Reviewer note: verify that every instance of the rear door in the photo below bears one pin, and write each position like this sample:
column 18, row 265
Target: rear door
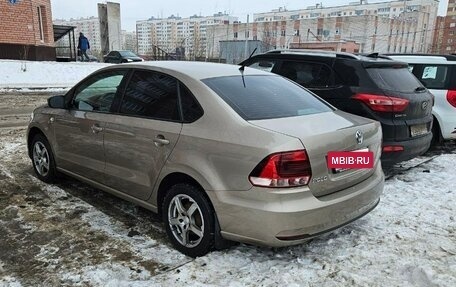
column 140, row 138
column 397, row 82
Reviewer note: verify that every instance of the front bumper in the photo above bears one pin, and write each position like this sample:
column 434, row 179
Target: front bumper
column 272, row 217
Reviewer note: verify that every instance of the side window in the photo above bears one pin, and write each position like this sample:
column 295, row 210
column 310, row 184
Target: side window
column 151, row 94
column 434, row 77
column 263, row 65
column 98, row 92
column 312, row 75
column 190, row 107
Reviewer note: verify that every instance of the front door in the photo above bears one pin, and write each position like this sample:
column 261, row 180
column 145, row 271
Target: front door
column 140, row 139
column 79, row 130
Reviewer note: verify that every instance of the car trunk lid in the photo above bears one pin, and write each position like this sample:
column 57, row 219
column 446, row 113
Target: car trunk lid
column 330, row 131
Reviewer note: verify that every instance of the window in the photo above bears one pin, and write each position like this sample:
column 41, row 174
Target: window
column 306, row 74
column 433, row 77
column 190, row 107
column 265, row 97
column 235, row 34
column 97, row 93
column 394, row 79
column 152, row 95
column 40, row 10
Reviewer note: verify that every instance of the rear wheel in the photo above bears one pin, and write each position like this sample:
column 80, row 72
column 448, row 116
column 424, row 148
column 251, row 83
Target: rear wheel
column 43, row 159
column 189, row 220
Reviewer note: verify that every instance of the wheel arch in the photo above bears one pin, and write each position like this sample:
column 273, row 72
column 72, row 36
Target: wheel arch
column 33, row 131
column 176, row 178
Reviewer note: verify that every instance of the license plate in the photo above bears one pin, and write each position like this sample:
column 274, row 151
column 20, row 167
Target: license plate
column 418, row 130
column 342, row 161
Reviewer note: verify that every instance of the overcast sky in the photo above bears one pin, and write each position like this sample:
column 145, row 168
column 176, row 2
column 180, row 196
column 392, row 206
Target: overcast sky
column 133, row 10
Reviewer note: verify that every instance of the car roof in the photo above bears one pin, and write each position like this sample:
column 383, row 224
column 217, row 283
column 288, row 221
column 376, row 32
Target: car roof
column 424, row 59
column 196, row 70
column 448, row 57
column 373, row 57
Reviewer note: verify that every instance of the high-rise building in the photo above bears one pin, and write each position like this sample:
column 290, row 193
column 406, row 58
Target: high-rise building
column 394, row 27
column 445, row 35
column 90, row 27
column 129, row 41
column 174, row 32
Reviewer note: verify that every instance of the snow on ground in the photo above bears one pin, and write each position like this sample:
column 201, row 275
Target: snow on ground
column 70, row 234
column 49, row 75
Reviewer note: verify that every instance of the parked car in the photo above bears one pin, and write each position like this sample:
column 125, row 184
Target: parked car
column 438, row 74
column 216, row 151
column 118, row 57
column 369, row 86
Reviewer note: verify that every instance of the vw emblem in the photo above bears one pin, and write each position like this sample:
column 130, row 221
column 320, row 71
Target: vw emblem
column 424, row 105
column 13, row 1
column 359, row 137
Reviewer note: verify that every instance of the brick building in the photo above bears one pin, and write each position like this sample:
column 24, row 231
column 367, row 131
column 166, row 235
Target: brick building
column 445, row 37
column 26, row 30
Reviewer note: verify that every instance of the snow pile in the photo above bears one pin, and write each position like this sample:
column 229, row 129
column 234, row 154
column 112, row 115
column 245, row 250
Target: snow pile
column 43, row 74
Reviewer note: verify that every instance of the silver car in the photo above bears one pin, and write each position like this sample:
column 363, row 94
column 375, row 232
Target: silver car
column 223, row 154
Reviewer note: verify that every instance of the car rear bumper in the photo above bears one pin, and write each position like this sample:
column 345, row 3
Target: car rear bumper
column 287, row 217
column 412, row 148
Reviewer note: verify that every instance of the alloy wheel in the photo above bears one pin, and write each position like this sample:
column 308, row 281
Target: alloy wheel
column 186, row 220
column 41, row 159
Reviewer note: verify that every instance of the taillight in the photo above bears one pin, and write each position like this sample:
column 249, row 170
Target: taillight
column 380, row 103
column 393, row 148
column 285, row 169
column 451, row 97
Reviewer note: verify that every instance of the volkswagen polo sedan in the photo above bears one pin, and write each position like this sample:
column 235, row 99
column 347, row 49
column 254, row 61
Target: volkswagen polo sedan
column 222, row 153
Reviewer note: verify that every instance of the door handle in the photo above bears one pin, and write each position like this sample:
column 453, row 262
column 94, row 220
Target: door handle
column 161, row 141
column 96, row 129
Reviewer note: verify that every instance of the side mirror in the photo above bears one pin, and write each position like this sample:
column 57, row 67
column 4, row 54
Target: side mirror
column 56, row 102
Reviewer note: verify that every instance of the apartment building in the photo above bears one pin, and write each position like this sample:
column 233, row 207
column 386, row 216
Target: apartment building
column 26, row 30
column 395, row 27
column 90, row 27
column 174, row 32
column 445, row 31
column 129, row 41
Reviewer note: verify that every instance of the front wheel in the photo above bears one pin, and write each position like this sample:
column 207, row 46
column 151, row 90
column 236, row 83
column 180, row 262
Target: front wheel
column 189, row 220
column 43, row 159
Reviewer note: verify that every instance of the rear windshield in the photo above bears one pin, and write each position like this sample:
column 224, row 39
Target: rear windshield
column 394, row 79
column 266, row 97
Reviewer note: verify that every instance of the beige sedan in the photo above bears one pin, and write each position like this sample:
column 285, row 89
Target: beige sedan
column 222, row 153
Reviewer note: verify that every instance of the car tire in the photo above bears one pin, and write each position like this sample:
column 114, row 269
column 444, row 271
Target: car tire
column 43, row 159
column 192, row 233
column 436, row 134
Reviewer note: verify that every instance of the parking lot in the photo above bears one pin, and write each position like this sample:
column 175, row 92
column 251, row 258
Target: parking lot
column 71, row 234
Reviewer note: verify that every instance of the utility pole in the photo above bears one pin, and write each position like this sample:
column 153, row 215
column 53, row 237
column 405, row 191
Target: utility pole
column 247, row 34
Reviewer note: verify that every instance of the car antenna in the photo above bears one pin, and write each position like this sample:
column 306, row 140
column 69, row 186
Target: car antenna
column 243, row 66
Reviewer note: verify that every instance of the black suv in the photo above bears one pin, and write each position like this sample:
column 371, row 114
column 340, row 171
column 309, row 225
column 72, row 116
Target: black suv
column 371, row 86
